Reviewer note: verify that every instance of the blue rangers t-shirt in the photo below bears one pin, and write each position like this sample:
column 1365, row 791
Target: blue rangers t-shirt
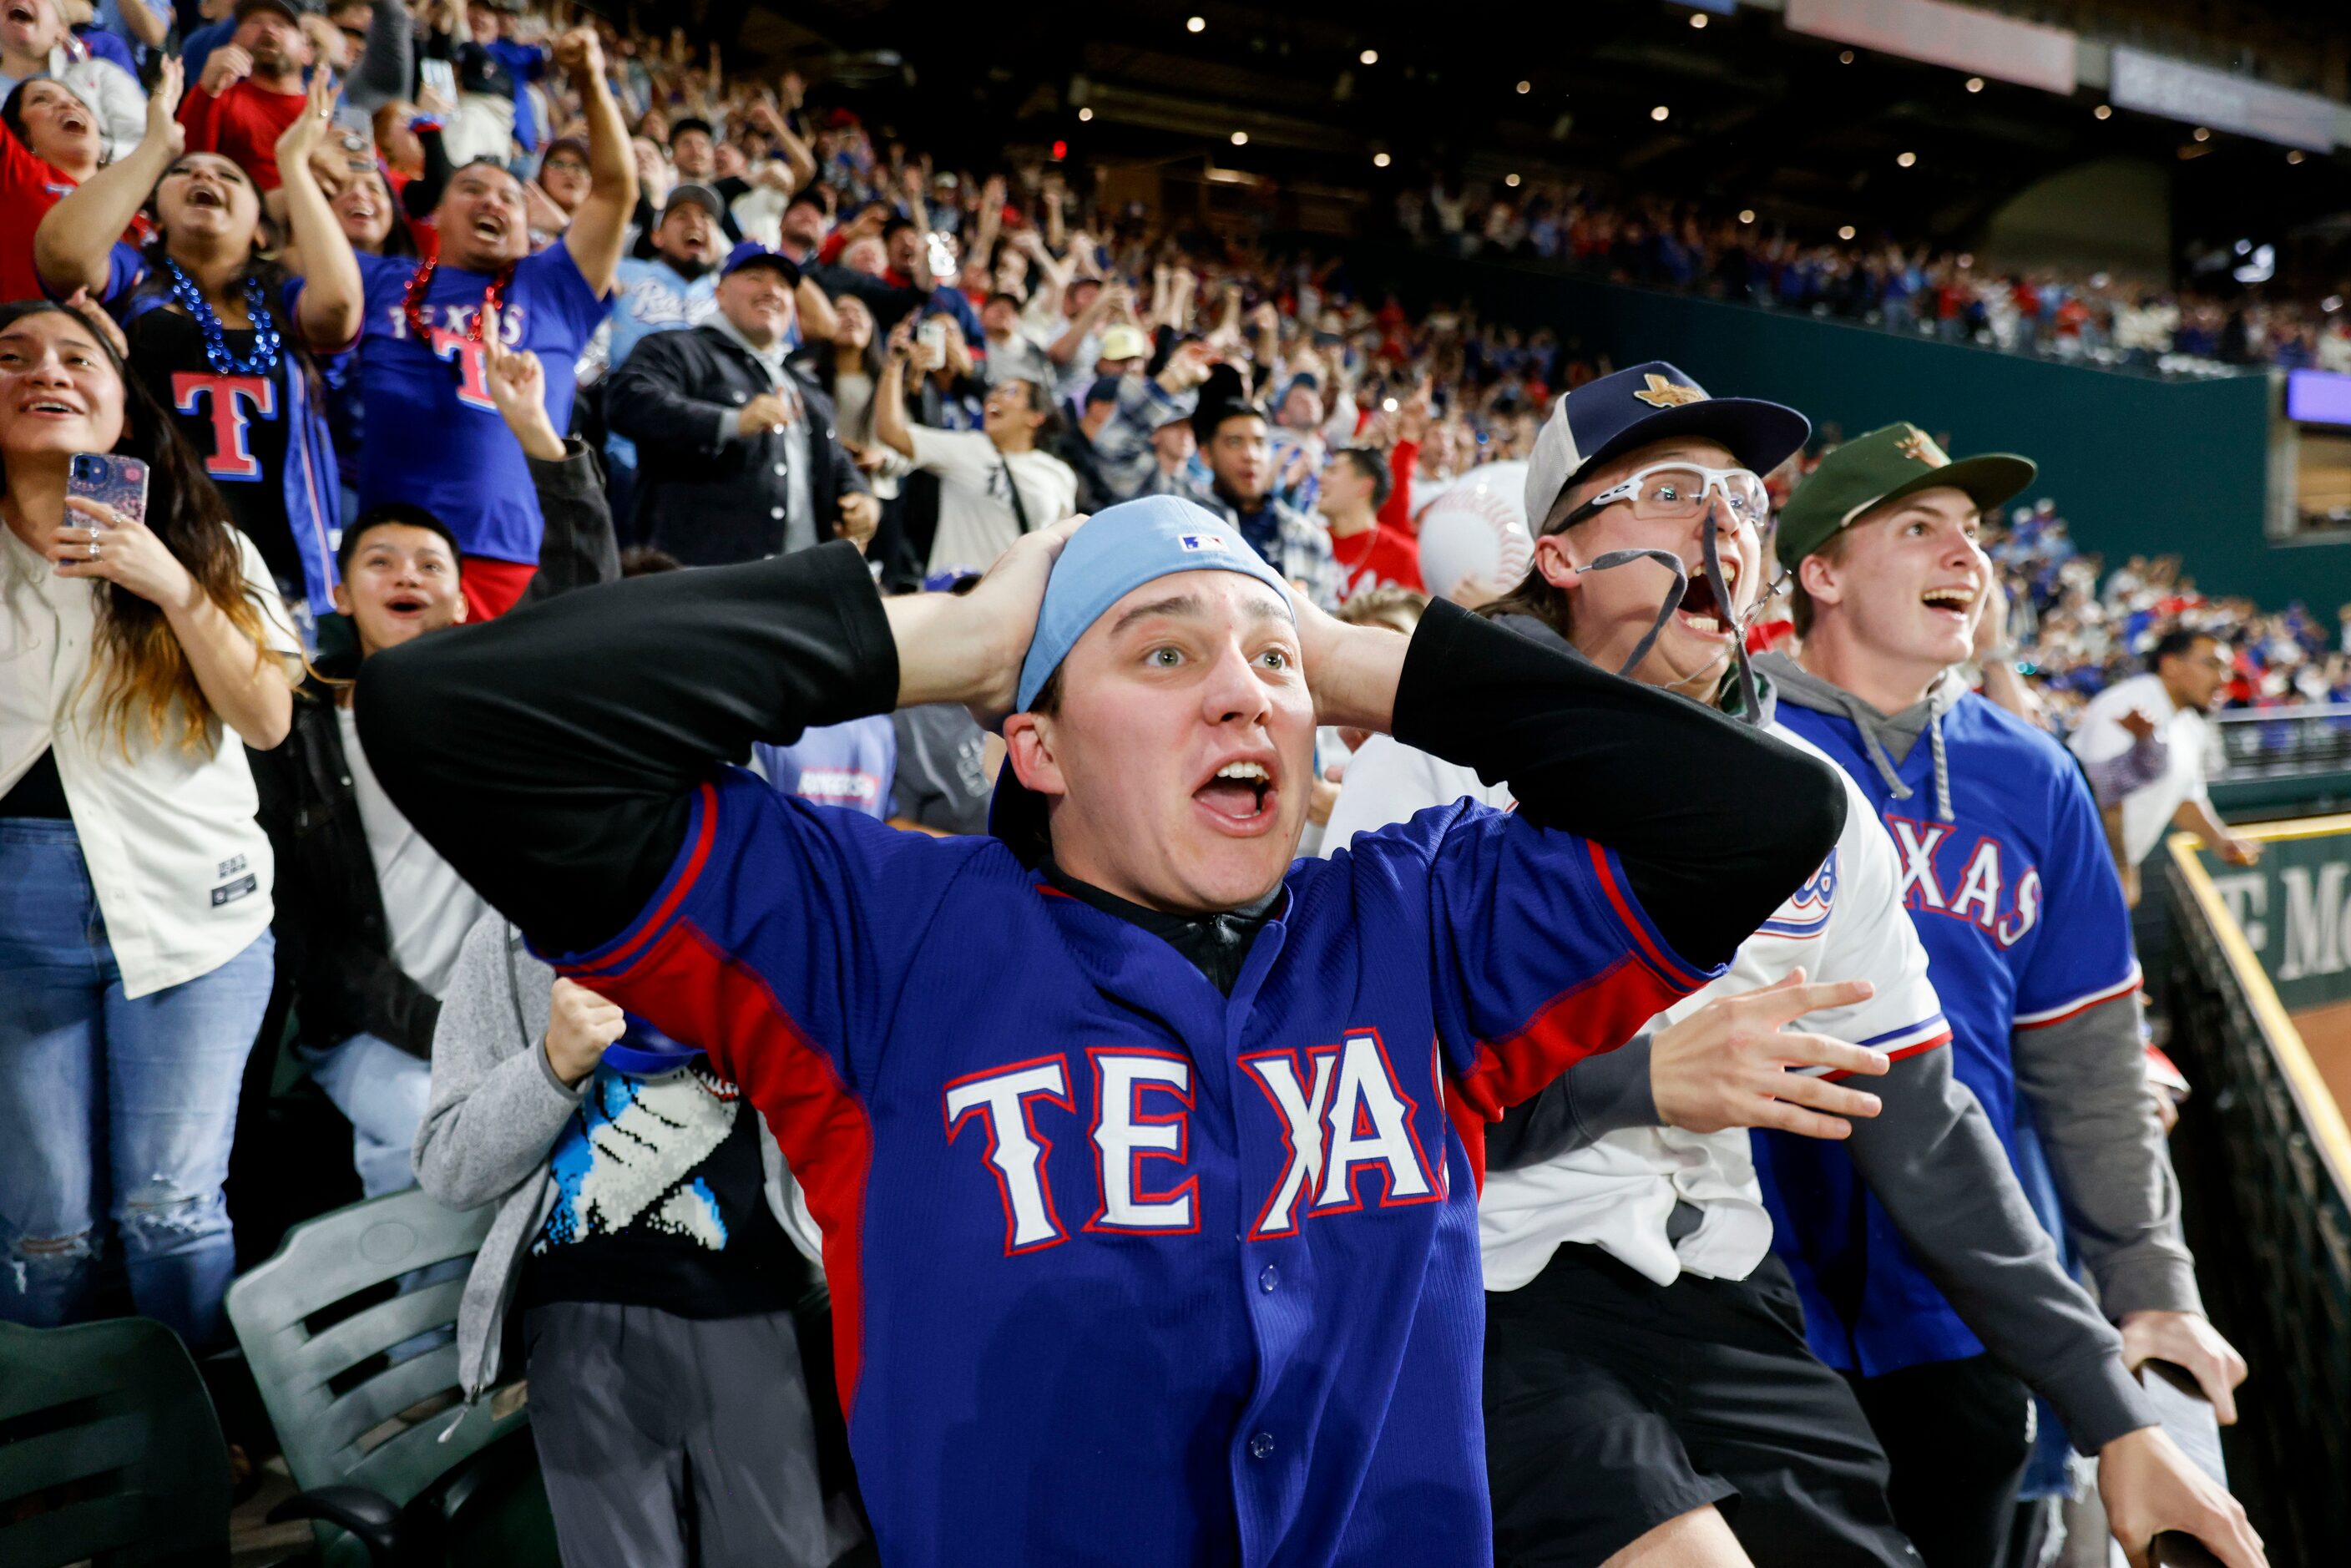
column 2017, row 903
column 434, row 436
column 851, row 764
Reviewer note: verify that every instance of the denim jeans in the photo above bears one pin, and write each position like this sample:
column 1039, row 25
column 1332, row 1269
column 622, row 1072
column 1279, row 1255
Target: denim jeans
column 111, row 1107
column 381, row 1090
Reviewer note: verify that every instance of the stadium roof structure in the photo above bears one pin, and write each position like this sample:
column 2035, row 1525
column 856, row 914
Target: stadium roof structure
column 1723, row 103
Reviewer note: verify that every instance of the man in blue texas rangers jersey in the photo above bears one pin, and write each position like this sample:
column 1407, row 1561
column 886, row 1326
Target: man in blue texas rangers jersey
column 1649, row 1395
column 2008, row 883
column 434, row 437
column 1145, row 1158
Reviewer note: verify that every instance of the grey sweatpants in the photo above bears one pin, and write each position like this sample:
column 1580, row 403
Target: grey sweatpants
column 671, row 1442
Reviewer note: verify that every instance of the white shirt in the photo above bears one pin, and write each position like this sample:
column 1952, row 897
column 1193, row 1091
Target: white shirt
column 1616, row 1193
column 977, row 522
column 427, row 906
column 2099, row 735
column 182, row 870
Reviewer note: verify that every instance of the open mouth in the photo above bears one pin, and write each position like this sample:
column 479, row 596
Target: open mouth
column 407, row 604
column 206, row 196
column 49, row 408
column 1699, row 610
column 1959, row 603
column 490, row 229
column 1240, row 796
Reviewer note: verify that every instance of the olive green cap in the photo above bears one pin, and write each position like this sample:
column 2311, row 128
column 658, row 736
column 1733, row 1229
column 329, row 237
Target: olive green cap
column 1886, row 465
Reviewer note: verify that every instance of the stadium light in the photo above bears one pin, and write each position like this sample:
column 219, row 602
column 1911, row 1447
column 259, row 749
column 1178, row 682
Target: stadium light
column 1195, row 24
column 2203, row 133
column 2104, row 111
column 1379, row 160
column 1240, row 137
column 1698, row 20
column 1659, row 113
column 1512, row 181
column 1526, row 87
column 1747, row 215
column 2331, row 304
column 1845, row 57
column 1369, row 57
column 1975, row 84
column 1906, row 159
column 1085, row 114
column 1844, row 231
column 2294, row 156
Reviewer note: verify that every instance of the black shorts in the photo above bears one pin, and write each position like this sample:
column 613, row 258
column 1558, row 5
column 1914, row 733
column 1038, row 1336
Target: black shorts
column 1613, row 1404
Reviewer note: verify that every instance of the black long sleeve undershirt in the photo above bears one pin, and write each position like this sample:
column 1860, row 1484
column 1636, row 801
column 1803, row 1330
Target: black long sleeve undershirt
column 550, row 754
column 1715, row 821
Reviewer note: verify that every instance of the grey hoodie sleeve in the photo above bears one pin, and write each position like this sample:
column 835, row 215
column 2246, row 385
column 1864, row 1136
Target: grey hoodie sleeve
column 496, row 1106
column 2086, row 1080
column 1932, row 1159
column 384, row 68
column 1598, row 1095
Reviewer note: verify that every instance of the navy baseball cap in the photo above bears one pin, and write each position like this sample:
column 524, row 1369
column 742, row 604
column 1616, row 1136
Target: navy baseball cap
column 1631, row 408
column 1117, row 550
column 751, row 253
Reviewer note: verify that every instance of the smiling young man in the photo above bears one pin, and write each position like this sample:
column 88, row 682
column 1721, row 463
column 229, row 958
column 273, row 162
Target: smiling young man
column 2007, row 881
column 434, row 436
column 1146, row 1156
column 1649, row 1396
column 370, row 916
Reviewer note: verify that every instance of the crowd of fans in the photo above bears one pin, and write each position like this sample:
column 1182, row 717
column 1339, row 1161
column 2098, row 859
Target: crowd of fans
column 388, row 317
column 1907, row 286
column 2079, row 628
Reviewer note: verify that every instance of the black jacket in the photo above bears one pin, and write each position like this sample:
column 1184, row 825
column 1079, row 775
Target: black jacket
column 334, row 941
column 707, row 496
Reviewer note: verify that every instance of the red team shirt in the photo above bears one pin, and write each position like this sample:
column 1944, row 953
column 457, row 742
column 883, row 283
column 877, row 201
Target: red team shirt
column 243, row 123
column 1376, row 556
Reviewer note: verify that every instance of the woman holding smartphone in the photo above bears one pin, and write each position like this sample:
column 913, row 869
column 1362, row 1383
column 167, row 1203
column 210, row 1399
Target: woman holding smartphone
column 142, row 647
column 221, row 335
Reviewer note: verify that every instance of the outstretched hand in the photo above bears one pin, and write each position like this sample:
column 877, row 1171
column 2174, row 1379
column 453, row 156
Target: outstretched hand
column 163, row 107
column 295, row 142
column 518, row 385
column 1734, row 1063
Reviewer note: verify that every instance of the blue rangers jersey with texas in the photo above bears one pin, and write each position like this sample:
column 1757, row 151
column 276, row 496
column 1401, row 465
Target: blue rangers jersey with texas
column 1124, row 1269
column 2022, row 839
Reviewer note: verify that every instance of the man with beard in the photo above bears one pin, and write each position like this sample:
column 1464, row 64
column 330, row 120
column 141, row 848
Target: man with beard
column 434, row 437
column 251, row 90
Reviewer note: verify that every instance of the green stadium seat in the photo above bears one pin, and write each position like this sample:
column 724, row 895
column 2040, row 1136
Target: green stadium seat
column 394, row 1467
column 109, row 1451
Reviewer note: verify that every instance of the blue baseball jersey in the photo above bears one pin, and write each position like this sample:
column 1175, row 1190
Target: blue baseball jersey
column 434, row 436
column 2018, row 906
column 1124, row 1268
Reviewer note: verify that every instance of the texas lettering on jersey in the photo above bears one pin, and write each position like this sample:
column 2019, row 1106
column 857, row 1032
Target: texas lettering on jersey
column 1943, row 873
column 449, row 328
column 1346, row 1121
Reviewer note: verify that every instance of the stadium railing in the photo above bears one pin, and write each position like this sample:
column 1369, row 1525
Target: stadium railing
column 2265, row 1159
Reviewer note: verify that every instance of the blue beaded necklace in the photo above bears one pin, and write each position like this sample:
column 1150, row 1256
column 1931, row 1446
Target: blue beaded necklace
column 263, row 359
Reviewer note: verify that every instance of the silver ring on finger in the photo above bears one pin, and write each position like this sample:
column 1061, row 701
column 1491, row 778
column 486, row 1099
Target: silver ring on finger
column 93, row 549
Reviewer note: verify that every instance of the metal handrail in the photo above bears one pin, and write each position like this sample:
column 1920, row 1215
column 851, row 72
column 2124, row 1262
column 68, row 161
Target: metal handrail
column 2273, row 1163
column 2285, row 742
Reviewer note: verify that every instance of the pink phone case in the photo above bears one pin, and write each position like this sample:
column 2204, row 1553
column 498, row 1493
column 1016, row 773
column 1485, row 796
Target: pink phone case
column 116, row 482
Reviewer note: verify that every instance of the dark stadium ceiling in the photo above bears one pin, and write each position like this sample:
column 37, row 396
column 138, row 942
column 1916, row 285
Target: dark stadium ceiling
column 1756, row 116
